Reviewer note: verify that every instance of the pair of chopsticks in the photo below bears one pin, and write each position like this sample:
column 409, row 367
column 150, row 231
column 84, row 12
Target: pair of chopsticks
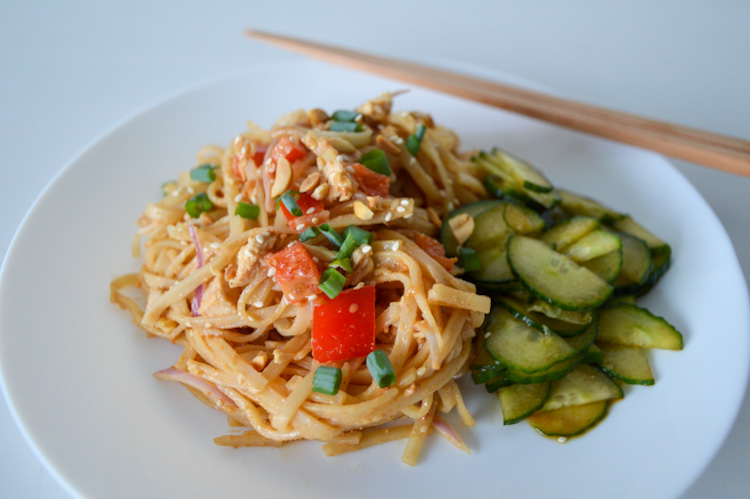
column 697, row 146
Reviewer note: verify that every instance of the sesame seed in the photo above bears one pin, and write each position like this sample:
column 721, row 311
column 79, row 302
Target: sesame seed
column 315, row 220
column 340, row 158
column 315, row 259
column 366, row 248
column 404, row 202
column 176, row 192
column 401, row 209
column 247, row 253
column 487, row 335
column 350, row 169
column 408, row 215
column 266, row 233
column 300, row 226
column 238, row 198
column 312, row 297
column 254, row 199
column 271, row 168
column 271, row 271
column 388, row 216
column 421, row 371
column 190, row 190
column 258, row 304
column 413, row 161
column 188, row 324
column 360, row 285
column 353, row 308
column 423, row 429
column 208, row 325
column 397, row 246
column 215, row 245
column 310, row 210
column 259, row 238
column 561, row 440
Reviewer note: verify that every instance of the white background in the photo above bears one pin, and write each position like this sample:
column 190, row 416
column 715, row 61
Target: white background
column 72, row 70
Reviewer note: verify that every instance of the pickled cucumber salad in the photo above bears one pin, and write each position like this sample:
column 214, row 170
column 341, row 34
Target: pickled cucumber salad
column 564, row 272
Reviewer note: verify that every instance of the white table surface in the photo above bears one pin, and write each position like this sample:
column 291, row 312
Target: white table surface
column 71, row 70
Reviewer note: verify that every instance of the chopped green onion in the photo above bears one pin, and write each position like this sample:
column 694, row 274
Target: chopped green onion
column 308, row 234
column 468, row 259
column 164, row 186
column 291, row 204
column 331, row 282
column 376, row 161
column 380, row 368
column 331, row 235
column 344, row 115
column 345, row 126
column 362, row 236
column 204, row 173
column 327, row 380
column 198, row 204
column 342, row 263
column 247, row 210
column 347, row 247
column 413, row 140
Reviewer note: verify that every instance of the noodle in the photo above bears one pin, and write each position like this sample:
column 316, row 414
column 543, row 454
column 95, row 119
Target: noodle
column 213, row 283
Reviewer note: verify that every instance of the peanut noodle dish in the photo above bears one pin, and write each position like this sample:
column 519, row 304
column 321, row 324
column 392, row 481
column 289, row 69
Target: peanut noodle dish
column 331, row 278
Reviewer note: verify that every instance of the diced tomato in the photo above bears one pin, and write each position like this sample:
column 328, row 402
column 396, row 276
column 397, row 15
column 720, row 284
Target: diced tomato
column 305, row 201
column 344, row 328
column 436, row 250
column 370, row 182
column 296, row 272
column 259, row 155
column 288, row 148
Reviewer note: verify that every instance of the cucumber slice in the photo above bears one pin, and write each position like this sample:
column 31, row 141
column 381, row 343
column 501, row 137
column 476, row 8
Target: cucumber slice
column 582, row 317
column 582, row 342
column 569, row 421
column 594, row 244
column 520, row 401
column 631, row 325
column 555, row 278
column 522, row 348
column 636, row 261
column 521, row 171
column 484, row 367
column 516, row 178
column 628, row 364
column 494, row 269
column 490, row 229
column 628, row 225
column 607, row 266
column 593, row 356
column 569, row 231
column 580, row 205
column 557, row 371
column 471, row 209
column 583, row 385
column 520, row 310
column 523, row 220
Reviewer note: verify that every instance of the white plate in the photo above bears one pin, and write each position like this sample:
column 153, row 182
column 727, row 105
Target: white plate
column 77, row 373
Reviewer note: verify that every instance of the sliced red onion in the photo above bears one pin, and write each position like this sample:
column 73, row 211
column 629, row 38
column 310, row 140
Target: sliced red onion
column 200, row 384
column 449, row 433
column 198, row 293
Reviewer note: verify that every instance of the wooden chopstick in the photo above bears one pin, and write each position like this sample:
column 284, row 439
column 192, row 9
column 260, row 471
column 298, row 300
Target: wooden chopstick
column 709, row 149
